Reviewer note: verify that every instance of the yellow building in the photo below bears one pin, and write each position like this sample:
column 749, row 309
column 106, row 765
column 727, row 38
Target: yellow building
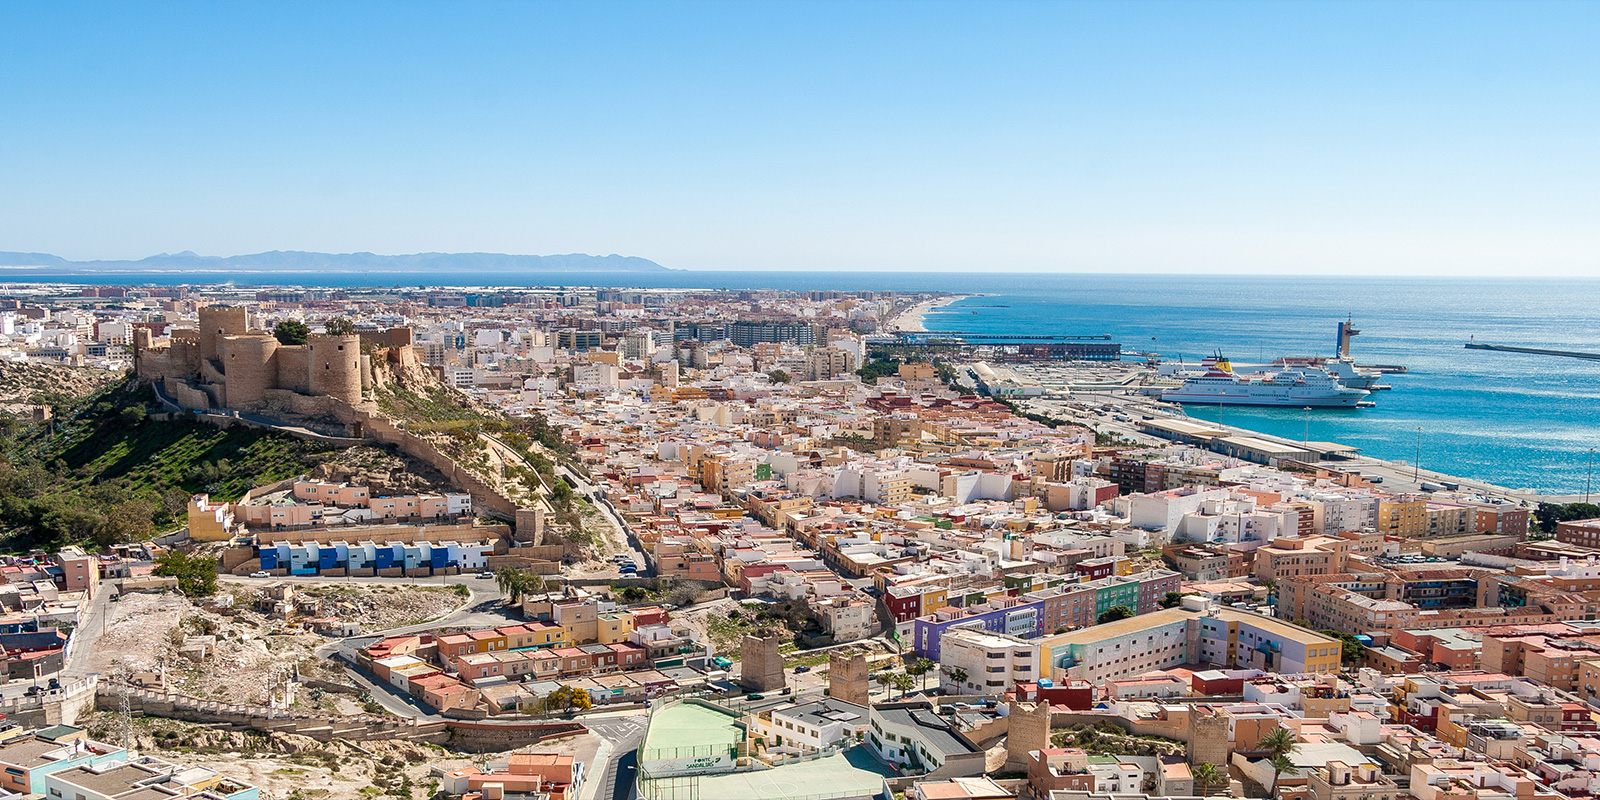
column 1403, row 515
column 209, row 522
column 614, row 627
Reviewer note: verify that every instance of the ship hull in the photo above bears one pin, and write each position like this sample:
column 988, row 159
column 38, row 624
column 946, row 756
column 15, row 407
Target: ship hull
column 1191, row 398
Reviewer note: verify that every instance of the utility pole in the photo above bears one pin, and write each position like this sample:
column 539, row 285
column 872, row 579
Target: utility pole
column 1307, row 440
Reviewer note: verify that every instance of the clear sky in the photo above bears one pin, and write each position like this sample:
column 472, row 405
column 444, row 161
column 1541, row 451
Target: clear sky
column 1430, row 137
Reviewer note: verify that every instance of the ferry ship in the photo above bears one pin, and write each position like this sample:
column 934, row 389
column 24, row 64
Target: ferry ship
column 1303, row 387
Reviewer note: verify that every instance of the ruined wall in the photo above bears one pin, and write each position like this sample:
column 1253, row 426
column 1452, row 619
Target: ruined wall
column 847, row 678
column 483, row 495
column 760, row 665
column 1028, row 729
column 464, row 735
column 185, row 395
column 460, row 534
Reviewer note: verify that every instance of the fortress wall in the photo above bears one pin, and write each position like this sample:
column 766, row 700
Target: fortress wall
column 292, row 370
column 185, row 395
column 247, row 362
column 334, row 363
column 295, row 403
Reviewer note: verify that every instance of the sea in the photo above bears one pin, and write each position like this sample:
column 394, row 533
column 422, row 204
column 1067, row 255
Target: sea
column 1517, row 420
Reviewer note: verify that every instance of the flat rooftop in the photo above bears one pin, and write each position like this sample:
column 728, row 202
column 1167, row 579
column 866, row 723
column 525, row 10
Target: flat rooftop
column 687, row 724
column 852, row 773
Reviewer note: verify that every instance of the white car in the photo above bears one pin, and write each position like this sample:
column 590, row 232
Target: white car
column 260, row 574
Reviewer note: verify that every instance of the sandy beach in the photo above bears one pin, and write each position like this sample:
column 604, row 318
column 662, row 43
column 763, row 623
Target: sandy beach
column 910, row 320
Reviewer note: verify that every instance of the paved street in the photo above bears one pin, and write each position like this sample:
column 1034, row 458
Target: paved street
column 624, row 535
column 615, row 778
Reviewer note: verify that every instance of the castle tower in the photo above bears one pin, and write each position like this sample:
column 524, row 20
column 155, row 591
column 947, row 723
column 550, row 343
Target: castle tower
column 1027, row 728
column 248, row 365
column 760, row 666
column 1208, row 737
column 847, row 678
column 334, row 364
column 218, row 321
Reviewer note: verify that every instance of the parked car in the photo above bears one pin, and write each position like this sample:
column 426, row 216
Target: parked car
column 486, row 574
column 260, row 573
column 628, row 569
column 801, row 669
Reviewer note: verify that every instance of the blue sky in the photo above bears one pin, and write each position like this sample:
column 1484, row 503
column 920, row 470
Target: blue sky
column 1384, row 138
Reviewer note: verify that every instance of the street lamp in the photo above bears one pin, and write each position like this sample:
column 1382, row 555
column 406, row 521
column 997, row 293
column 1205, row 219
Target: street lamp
column 1416, row 464
column 1588, row 476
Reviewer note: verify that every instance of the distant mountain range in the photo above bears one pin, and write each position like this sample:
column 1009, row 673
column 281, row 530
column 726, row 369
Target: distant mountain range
column 297, row 260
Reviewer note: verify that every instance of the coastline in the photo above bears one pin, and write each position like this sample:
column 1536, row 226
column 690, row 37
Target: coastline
column 911, row 319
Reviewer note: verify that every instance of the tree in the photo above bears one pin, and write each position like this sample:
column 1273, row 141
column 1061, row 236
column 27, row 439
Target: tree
column 1548, row 515
column 579, row 699
column 515, row 583
column 903, row 682
column 197, row 575
column 1206, row 776
column 920, row 668
column 1172, row 600
column 132, row 415
column 291, row 331
column 339, row 326
column 561, row 494
column 124, row 523
column 1279, row 745
column 1113, row 614
column 959, row 675
column 1280, row 765
column 559, row 698
column 883, row 679
column 778, row 376
column 1352, row 649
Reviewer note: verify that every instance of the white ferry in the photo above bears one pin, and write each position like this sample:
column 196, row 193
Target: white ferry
column 1305, row 387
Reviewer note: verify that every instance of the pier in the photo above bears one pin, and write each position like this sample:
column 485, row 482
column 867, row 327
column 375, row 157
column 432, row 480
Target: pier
column 1538, row 351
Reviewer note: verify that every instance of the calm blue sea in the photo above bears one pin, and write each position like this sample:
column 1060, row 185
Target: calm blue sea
column 1522, row 421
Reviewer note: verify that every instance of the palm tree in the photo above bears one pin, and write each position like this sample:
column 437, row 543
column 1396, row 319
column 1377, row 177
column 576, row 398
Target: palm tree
column 1280, row 765
column 883, row 679
column 903, row 682
column 959, row 675
column 921, row 667
column 1205, row 776
column 514, row 583
column 1279, row 745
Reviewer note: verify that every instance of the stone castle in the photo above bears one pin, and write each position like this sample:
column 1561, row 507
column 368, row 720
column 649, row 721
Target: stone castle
column 225, row 364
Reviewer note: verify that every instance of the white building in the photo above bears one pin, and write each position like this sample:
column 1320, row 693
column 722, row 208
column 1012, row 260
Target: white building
column 991, row 663
column 812, row 726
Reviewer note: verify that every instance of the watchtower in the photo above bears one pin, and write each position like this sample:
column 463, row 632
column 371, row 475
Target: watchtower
column 334, row 364
column 217, row 321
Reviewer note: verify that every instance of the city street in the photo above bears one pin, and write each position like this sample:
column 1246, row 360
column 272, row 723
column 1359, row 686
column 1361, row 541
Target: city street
column 614, row 780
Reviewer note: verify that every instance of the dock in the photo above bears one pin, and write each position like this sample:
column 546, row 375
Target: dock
column 1538, row 351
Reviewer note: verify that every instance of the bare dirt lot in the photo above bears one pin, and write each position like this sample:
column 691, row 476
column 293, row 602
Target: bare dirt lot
column 250, row 654
column 289, row 766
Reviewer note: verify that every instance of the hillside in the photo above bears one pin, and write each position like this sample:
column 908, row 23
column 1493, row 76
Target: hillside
column 23, row 384
column 104, row 472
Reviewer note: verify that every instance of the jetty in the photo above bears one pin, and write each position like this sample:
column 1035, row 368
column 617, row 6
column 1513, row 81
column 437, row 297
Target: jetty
column 1538, row 351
